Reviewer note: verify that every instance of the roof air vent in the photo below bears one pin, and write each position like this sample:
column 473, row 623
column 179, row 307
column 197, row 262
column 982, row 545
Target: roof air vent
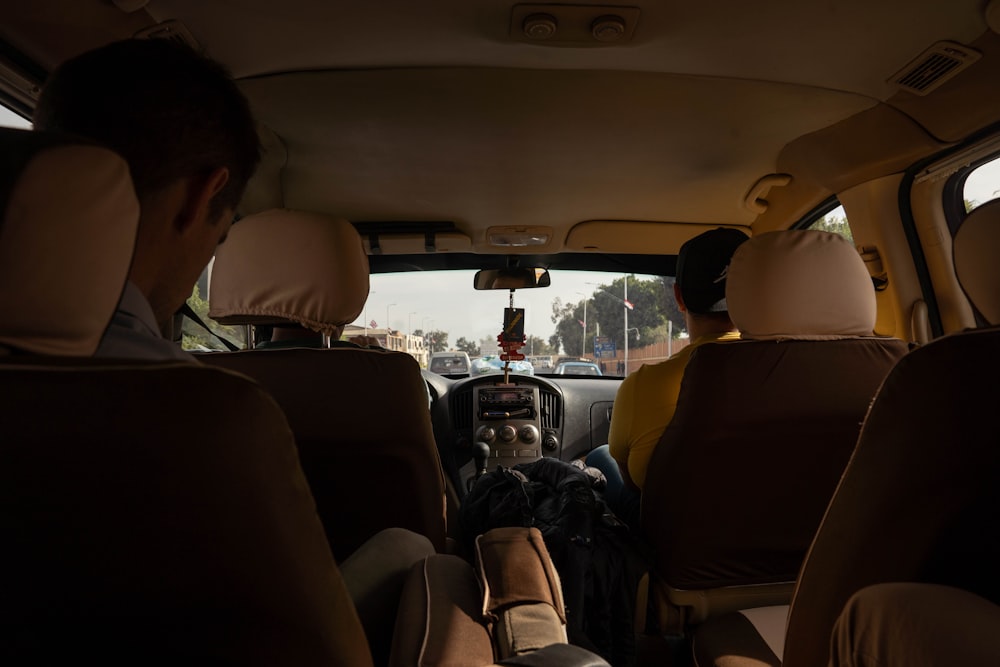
column 933, row 67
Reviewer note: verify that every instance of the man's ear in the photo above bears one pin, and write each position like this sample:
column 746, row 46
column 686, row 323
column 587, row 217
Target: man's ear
column 679, row 298
column 198, row 198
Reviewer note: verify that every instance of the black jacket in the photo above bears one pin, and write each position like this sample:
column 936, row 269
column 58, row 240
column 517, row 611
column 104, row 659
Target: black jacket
column 589, row 547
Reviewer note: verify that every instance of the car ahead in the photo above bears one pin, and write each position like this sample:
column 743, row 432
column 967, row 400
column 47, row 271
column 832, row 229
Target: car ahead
column 589, row 142
column 450, row 363
column 577, row 368
column 541, row 363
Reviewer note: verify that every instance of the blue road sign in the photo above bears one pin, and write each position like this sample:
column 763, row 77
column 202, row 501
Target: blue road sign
column 604, row 347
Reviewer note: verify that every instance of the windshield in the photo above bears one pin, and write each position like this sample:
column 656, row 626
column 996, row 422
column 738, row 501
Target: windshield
column 575, row 327
column 581, row 317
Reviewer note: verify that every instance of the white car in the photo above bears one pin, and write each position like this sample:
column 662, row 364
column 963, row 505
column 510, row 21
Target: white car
column 578, row 368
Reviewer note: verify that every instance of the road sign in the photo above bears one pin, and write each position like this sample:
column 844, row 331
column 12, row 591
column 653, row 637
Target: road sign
column 604, row 347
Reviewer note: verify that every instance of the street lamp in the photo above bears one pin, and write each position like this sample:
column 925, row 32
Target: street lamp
column 627, row 306
column 366, row 314
column 583, row 345
column 387, row 320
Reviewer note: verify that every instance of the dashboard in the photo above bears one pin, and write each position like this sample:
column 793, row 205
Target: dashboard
column 530, row 416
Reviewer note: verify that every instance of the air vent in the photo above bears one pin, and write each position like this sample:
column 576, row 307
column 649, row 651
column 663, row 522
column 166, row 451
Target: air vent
column 173, row 30
column 461, row 409
column 933, row 67
column 551, row 409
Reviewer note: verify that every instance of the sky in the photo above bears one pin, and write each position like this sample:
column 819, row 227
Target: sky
column 448, row 302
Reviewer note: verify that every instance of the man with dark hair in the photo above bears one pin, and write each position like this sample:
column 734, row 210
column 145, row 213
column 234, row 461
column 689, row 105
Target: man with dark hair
column 647, row 398
column 191, row 144
column 190, row 140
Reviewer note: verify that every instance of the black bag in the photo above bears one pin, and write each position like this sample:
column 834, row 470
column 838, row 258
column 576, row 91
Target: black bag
column 588, row 545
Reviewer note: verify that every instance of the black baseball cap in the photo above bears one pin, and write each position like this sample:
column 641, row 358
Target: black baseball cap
column 701, row 269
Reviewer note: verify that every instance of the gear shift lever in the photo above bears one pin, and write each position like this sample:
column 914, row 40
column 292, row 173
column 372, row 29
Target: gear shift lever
column 480, row 455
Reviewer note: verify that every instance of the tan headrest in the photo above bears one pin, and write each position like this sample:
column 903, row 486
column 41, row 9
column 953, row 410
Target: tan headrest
column 800, row 284
column 66, row 244
column 289, row 266
column 976, row 264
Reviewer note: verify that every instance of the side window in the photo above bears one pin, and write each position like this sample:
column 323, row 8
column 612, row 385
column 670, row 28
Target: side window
column 10, row 119
column 982, row 184
column 834, row 221
column 193, row 336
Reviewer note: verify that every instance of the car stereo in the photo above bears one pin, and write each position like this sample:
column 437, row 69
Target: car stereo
column 507, row 419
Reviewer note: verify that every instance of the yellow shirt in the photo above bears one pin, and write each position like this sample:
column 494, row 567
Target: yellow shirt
column 645, row 404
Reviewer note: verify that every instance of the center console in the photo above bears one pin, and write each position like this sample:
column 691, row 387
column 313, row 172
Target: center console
column 507, row 418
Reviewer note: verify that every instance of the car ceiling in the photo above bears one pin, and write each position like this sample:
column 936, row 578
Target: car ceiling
column 408, row 112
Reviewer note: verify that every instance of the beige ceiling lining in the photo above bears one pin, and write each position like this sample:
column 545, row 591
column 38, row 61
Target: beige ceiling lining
column 936, row 111
column 488, row 147
column 886, row 139
column 631, row 236
column 781, row 40
column 51, row 31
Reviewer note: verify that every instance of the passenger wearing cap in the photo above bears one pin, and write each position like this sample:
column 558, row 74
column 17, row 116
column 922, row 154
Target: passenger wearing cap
column 647, row 398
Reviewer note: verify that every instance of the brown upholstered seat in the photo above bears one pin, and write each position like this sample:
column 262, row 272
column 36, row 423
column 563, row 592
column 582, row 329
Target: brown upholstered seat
column 764, row 426
column 919, row 500
column 360, row 416
column 138, row 527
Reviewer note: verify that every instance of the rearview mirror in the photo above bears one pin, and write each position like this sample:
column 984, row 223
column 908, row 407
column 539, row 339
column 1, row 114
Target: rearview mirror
column 515, row 278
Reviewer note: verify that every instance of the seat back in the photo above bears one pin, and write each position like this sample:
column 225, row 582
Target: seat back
column 764, row 426
column 919, row 500
column 139, row 525
column 367, row 472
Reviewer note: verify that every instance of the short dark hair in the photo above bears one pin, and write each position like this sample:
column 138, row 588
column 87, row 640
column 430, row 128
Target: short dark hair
column 168, row 110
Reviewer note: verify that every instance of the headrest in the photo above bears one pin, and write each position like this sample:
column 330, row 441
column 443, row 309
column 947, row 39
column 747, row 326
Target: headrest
column 67, row 236
column 284, row 266
column 800, row 284
column 976, row 264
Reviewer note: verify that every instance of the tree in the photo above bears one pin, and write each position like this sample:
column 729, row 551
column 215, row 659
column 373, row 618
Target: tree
column 488, row 345
column 536, row 345
column 436, row 341
column 463, row 344
column 670, row 308
column 196, row 338
column 652, row 305
column 568, row 317
column 831, row 223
